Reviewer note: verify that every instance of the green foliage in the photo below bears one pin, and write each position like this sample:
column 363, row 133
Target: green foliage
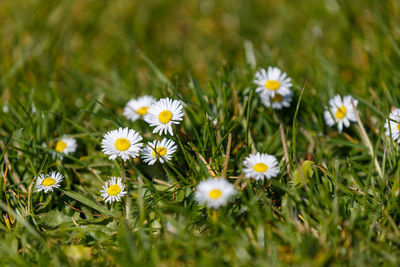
column 69, row 67
column 302, row 175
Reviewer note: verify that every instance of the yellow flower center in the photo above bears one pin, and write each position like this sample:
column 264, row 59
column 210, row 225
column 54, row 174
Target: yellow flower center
column 215, row 194
column 142, row 111
column 114, row 190
column 48, row 181
column 160, row 151
column 277, row 98
column 272, row 85
column 341, row 112
column 122, row 144
column 398, row 127
column 60, row 146
column 260, row 167
column 165, row 116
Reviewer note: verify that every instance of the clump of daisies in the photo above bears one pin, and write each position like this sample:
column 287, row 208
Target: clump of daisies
column 137, row 108
column 163, row 114
column 158, row 150
column 260, row 166
column 340, row 112
column 214, row 192
column 47, row 182
column 66, row 145
column 113, row 190
column 392, row 125
column 273, row 87
column 123, row 143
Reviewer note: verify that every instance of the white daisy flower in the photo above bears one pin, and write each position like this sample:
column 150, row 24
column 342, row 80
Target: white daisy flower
column 163, row 113
column 214, row 192
column 260, row 166
column 65, row 145
column 273, row 81
column 394, row 122
column 137, row 108
column 340, row 112
column 277, row 101
column 123, row 143
column 48, row 182
column 113, row 190
column 157, row 150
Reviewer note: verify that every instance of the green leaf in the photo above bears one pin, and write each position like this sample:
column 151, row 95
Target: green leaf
column 302, row 175
column 90, row 203
column 341, row 141
column 55, row 218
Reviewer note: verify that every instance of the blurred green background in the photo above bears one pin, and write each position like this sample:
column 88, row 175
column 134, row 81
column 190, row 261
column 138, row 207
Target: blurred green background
column 82, row 47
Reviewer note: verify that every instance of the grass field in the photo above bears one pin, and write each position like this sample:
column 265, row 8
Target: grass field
column 69, row 68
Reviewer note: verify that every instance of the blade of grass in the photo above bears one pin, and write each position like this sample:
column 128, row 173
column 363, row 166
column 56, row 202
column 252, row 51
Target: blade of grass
column 90, row 203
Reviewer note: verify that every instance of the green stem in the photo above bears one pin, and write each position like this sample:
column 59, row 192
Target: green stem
column 127, row 200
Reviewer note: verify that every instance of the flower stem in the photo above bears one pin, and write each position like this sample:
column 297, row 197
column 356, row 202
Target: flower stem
column 214, row 216
column 127, row 199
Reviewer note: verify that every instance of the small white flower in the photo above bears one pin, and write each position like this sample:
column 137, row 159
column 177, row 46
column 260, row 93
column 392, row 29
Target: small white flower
column 113, row 190
column 137, row 108
column 157, row 150
column 273, row 81
column 260, row 166
column 214, row 120
column 122, row 142
column 170, row 228
column 48, row 182
column 214, row 192
column 65, row 145
column 394, row 122
column 34, row 109
column 5, row 108
column 163, row 113
column 340, row 112
column 277, row 101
